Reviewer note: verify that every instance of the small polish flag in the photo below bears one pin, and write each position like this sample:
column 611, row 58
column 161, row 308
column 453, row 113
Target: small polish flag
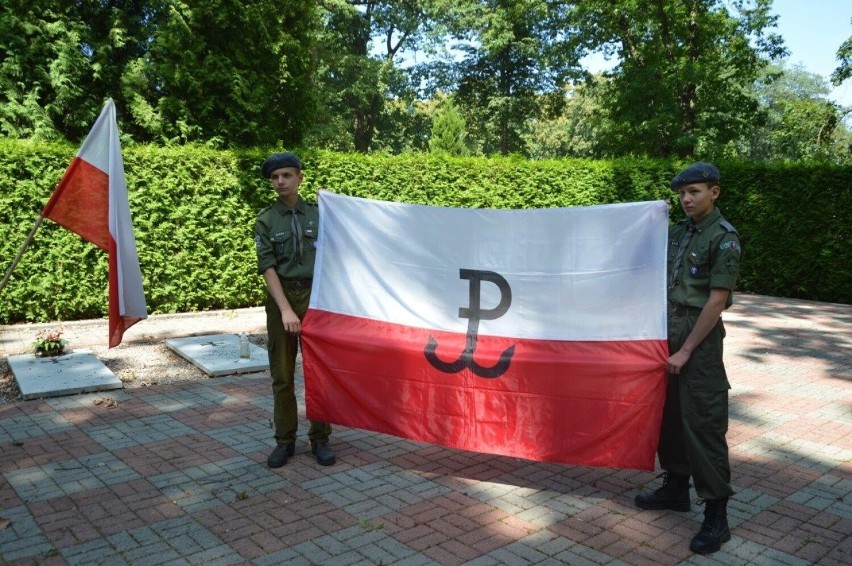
column 91, row 200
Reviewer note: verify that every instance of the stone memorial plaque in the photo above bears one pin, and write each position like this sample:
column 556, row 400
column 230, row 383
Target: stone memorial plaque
column 219, row 354
column 79, row 371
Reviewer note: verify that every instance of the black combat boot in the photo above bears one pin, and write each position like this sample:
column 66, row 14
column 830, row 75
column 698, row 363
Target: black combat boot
column 280, row 455
column 714, row 530
column 324, row 455
column 674, row 494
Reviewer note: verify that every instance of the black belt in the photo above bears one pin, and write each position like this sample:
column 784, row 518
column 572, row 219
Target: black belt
column 292, row 284
column 676, row 309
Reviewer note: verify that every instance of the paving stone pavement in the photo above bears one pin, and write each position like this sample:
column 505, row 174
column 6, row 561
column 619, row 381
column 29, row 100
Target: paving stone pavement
column 176, row 474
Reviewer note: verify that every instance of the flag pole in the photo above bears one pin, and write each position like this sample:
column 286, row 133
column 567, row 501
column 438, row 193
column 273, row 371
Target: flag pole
column 21, row 251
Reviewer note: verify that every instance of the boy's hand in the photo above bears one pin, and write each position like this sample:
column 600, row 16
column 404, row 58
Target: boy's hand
column 291, row 321
column 677, row 361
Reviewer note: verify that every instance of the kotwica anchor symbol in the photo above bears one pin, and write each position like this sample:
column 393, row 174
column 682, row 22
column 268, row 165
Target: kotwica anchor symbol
column 474, row 313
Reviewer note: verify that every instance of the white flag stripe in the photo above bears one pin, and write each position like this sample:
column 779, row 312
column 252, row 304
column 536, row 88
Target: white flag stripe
column 582, row 273
column 97, row 147
column 131, row 297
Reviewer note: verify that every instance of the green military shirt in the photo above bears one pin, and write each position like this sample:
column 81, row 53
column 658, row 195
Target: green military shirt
column 710, row 259
column 286, row 243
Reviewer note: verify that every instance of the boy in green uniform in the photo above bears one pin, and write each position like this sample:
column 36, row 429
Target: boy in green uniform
column 703, row 264
column 285, row 237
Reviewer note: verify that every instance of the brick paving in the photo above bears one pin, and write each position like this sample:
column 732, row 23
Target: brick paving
column 176, row 474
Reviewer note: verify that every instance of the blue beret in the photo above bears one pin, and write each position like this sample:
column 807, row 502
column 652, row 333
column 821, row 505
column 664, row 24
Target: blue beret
column 696, row 173
column 278, row 161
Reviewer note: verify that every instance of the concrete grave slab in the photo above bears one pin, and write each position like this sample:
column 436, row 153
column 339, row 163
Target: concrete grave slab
column 79, row 371
column 219, row 354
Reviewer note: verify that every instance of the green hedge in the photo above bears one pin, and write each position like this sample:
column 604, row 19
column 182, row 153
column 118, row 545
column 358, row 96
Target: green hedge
column 193, row 211
column 796, row 227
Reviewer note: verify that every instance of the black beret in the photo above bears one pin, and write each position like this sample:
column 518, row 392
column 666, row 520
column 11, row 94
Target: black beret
column 696, row 173
column 278, row 161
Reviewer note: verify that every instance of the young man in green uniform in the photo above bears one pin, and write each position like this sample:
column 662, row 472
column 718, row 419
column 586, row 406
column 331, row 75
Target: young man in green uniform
column 703, row 264
column 285, row 237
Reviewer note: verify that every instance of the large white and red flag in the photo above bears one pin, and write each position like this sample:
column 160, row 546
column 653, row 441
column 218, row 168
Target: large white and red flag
column 539, row 334
column 91, row 200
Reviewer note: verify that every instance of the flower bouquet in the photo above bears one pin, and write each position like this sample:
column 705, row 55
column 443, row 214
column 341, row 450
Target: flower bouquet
column 49, row 343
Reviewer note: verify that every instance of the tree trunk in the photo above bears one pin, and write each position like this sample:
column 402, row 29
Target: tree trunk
column 689, row 92
column 363, row 131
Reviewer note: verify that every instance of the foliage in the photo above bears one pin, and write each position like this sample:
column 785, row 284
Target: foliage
column 794, row 220
column 565, row 125
column 369, row 76
column 355, row 84
column 44, row 75
column 684, row 72
column 249, row 80
column 193, row 212
column 844, row 68
column 404, row 125
column 59, row 61
column 246, row 81
column 800, row 123
column 449, row 131
column 511, row 50
column 795, row 121
column 49, row 343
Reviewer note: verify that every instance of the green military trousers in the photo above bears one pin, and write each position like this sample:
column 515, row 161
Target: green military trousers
column 282, row 348
column 695, row 417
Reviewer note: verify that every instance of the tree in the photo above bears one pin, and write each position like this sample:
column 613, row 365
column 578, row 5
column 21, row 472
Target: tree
column 844, row 69
column 800, row 122
column 226, row 73
column 354, row 81
column 449, row 131
column 60, row 60
column 567, row 125
column 510, row 52
column 684, row 73
column 404, row 125
column 213, row 71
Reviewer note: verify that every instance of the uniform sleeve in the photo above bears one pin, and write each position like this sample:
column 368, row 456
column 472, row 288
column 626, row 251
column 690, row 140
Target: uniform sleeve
column 263, row 245
column 726, row 262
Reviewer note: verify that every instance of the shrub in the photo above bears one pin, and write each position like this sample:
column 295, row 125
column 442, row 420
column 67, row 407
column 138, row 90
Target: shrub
column 193, row 211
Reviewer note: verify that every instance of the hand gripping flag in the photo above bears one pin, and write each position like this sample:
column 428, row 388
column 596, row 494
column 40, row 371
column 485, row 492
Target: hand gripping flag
column 538, row 334
column 91, row 200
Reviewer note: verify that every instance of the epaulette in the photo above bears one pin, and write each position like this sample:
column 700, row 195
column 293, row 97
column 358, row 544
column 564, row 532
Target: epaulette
column 263, row 210
column 728, row 226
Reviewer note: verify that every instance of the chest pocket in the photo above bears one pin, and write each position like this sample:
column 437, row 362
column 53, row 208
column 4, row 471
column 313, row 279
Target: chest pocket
column 699, row 263
column 311, row 235
column 282, row 246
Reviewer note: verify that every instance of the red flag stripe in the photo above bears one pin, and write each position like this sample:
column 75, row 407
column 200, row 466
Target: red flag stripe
column 557, row 402
column 118, row 321
column 80, row 203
